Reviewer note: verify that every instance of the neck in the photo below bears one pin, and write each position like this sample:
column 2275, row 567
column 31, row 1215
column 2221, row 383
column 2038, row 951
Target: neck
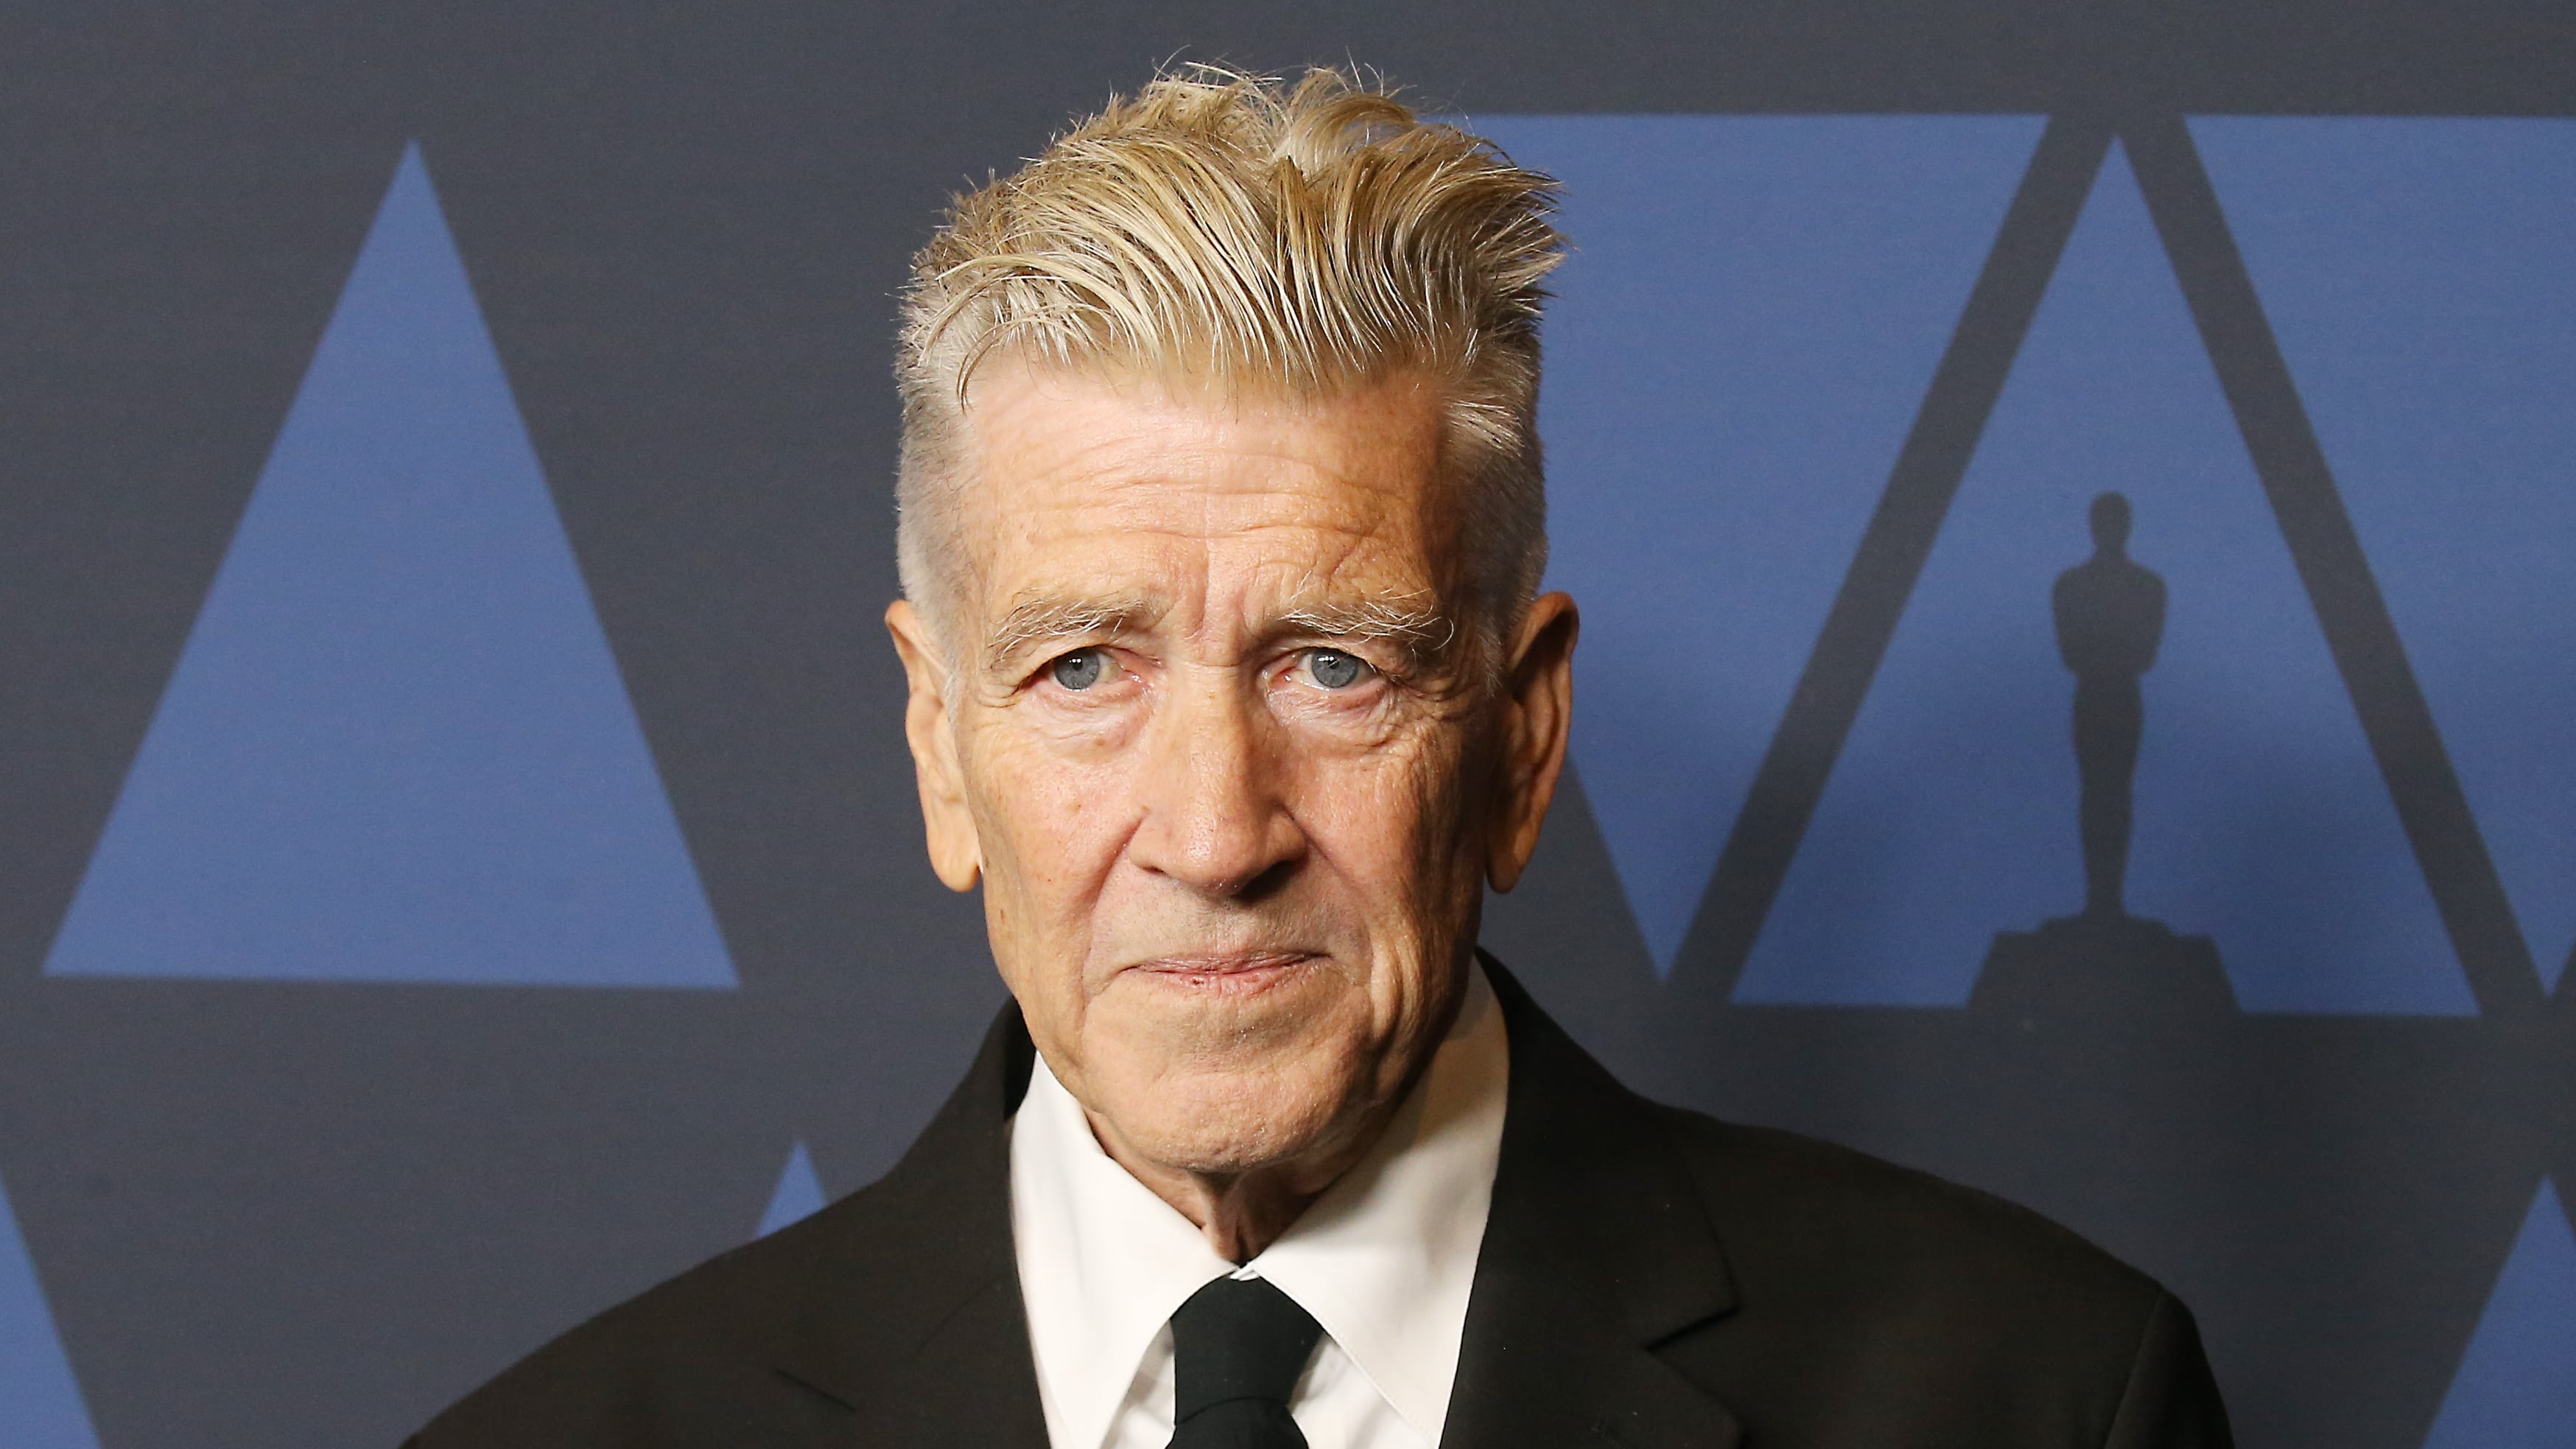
column 1243, row 1213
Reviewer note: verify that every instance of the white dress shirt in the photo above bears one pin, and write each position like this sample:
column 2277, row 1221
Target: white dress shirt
column 1384, row 1260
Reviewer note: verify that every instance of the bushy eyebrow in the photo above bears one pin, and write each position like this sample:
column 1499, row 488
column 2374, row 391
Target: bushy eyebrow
column 1420, row 632
column 1036, row 621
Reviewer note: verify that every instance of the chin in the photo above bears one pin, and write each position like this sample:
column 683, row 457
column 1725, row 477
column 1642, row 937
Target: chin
column 1222, row 1074
column 1224, row 1121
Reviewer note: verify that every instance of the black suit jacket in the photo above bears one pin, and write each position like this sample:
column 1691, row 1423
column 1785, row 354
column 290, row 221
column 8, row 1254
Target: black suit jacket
column 1649, row 1278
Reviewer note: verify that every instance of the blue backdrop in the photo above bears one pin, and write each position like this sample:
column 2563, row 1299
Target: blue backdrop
column 464, row 864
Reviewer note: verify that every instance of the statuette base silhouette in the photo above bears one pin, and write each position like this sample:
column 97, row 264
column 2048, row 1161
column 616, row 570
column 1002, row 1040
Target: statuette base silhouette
column 2103, row 966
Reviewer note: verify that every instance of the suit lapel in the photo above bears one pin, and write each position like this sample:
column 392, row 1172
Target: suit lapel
column 1596, row 1250
column 913, row 1319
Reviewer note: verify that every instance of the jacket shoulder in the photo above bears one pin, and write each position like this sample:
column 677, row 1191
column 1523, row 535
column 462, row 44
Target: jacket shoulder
column 690, row 1361
column 1835, row 1217
column 818, row 1332
column 1879, row 1304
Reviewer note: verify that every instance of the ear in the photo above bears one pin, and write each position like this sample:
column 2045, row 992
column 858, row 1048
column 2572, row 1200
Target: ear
column 1538, row 708
column 955, row 853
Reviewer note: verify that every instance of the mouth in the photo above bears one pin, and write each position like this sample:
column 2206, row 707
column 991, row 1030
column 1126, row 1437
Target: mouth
column 1227, row 973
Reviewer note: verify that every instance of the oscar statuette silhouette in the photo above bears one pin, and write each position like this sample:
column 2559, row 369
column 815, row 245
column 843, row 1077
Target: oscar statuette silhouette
column 2110, row 616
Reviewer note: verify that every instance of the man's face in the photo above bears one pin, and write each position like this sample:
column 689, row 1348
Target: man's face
column 1224, row 752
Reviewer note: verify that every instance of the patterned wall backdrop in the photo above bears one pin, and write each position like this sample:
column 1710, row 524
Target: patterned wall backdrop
column 462, row 866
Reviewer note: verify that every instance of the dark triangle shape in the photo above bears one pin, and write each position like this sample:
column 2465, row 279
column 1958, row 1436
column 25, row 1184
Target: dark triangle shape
column 1733, row 362
column 2516, row 1384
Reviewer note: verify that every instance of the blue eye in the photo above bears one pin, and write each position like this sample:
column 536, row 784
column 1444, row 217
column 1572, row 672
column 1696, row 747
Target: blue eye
column 1333, row 669
column 1080, row 669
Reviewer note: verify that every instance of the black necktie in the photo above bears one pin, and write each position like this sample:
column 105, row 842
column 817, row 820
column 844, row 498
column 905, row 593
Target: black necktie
column 1238, row 1347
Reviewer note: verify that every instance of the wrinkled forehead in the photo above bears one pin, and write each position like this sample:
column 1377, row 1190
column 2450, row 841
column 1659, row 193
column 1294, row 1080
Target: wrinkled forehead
column 1129, row 493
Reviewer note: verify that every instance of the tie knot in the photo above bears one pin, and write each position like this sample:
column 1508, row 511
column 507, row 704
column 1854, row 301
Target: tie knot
column 1239, row 1338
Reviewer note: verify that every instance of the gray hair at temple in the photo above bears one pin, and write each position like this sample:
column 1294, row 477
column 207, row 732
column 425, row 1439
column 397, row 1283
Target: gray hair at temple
column 1238, row 231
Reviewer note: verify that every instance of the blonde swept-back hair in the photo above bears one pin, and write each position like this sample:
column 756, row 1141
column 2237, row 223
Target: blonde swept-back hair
column 1236, row 230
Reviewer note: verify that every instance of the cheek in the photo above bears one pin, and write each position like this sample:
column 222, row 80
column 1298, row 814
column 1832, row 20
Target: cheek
column 1050, row 827
column 1387, row 820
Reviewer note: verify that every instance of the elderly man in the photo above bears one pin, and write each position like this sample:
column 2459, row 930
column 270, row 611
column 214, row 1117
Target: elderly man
column 1231, row 689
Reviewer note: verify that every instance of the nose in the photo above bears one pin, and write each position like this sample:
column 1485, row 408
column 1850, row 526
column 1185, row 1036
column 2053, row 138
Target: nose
column 1216, row 814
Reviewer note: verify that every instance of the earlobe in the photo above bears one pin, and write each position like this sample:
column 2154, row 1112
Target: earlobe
column 1538, row 709
column 956, row 854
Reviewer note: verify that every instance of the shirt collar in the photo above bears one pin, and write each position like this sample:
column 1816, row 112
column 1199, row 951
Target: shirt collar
column 1385, row 1260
